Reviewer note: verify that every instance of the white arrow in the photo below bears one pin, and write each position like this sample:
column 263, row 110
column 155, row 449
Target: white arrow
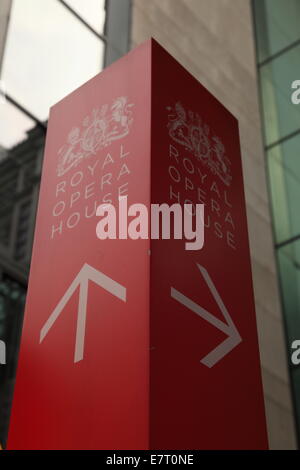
column 86, row 274
column 227, row 327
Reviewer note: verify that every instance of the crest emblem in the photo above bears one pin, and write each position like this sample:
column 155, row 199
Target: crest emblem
column 104, row 125
column 188, row 130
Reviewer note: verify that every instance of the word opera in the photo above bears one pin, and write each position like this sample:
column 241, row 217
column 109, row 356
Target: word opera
column 78, row 196
column 189, row 181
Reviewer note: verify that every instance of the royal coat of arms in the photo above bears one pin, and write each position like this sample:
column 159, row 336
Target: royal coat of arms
column 105, row 125
column 187, row 129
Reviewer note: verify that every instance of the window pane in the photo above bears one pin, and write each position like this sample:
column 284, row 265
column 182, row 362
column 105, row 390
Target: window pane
column 13, row 131
column 92, row 11
column 23, row 228
column 281, row 116
column 289, row 267
column 284, row 173
column 13, row 128
column 48, row 54
column 21, row 142
column 295, row 375
column 12, row 300
column 277, row 23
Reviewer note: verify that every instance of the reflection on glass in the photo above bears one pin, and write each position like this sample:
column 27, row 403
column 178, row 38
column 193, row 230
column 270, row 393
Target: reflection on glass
column 92, row 11
column 284, row 173
column 21, row 144
column 48, row 54
column 277, row 23
column 289, row 267
column 12, row 301
column 295, row 373
column 13, row 128
column 281, row 116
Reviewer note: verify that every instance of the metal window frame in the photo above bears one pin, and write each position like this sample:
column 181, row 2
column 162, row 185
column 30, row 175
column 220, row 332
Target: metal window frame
column 116, row 35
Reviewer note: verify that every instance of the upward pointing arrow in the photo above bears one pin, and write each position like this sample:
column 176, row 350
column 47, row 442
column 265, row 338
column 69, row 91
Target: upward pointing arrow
column 228, row 327
column 86, row 274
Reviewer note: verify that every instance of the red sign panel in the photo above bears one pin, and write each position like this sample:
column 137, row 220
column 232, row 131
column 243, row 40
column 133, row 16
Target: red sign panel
column 206, row 389
column 139, row 344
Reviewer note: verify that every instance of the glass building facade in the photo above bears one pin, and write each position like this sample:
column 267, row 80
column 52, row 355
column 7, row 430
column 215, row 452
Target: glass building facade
column 51, row 48
column 277, row 26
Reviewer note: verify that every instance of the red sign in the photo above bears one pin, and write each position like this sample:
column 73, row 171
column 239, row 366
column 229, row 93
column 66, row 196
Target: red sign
column 139, row 344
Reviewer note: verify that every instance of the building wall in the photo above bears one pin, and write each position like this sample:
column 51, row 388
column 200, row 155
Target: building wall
column 214, row 40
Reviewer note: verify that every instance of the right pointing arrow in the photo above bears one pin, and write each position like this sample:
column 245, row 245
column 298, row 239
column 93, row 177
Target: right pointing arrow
column 228, row 327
